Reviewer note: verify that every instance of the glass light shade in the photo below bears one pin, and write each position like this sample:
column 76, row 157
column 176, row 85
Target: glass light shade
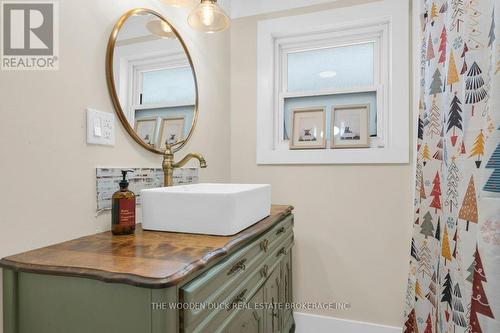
column 160, row 28
column 177, row 3
column 208, row 17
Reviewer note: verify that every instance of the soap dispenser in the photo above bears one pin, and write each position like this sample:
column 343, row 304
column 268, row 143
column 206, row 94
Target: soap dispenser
column 123, row 208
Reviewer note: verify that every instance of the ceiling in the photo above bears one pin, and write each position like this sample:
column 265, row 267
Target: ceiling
column 242, row 8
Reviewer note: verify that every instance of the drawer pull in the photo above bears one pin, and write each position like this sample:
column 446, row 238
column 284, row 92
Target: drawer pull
column 239, row 266
column 281, row 252
column 240, row 298
column 264, row 245
column 265, row 271
column 280, row 231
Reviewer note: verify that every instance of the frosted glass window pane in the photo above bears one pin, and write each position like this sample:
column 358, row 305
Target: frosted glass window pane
column 329, row 101
column 168, row 86
column 332, row 68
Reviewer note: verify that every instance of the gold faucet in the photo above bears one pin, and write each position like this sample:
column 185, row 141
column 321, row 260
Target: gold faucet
column 169, row 165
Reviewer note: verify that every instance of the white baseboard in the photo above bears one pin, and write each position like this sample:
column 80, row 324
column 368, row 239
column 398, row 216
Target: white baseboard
column 307, row 323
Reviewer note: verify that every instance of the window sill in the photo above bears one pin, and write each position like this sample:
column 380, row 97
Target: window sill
column 335, row 156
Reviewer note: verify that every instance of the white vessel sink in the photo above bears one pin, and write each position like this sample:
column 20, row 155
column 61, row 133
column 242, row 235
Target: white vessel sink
column 212, row 209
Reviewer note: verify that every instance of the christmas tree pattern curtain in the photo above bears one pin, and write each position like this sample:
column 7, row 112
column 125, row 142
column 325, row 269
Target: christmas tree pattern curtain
column 454, row 280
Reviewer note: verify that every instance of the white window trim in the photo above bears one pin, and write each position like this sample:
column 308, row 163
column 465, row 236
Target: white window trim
column 376, row 33
column 131, row 70
column 395, row 129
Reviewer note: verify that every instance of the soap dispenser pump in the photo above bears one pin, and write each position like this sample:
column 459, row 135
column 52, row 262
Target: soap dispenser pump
column 123, row 208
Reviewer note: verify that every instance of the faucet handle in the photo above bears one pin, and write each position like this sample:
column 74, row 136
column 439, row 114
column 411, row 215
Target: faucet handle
column 168, row 149
column 175, row 144
column 170, row 146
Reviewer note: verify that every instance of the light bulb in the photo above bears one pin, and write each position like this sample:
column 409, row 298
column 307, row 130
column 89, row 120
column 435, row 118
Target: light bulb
column 207, row 16
column 336, row 131
column 328, row 74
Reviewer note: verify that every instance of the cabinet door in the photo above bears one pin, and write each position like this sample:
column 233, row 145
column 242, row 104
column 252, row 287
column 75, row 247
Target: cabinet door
column 286, row 280
column 248, row 320
column 272, row 295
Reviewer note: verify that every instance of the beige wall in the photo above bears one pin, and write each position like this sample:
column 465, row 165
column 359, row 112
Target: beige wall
column 352, row 222
column 48, row 189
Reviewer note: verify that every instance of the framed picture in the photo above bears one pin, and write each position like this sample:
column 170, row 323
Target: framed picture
column 171, row 131
column 308, row 128
column 146, row 130
column 351, row 126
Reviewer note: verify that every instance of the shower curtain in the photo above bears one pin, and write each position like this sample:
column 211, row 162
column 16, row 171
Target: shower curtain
column 454, row 279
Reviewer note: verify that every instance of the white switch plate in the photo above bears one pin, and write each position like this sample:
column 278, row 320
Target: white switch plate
column 100, row 127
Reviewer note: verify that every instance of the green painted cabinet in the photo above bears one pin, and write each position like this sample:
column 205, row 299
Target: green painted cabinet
column 243, row 292
column 247, row 321
column 272, row 301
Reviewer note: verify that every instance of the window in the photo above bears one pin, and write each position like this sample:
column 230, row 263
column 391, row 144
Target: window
column 328, row 76
column 320, row 64
column 178, row 81
column 327, row 70
column 155, row 75
column 152, row 77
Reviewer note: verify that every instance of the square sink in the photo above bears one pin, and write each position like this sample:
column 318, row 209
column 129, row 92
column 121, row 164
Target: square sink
column 211, row 209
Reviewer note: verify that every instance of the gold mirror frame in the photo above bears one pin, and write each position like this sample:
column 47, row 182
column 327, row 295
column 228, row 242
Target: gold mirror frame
column 111, row 80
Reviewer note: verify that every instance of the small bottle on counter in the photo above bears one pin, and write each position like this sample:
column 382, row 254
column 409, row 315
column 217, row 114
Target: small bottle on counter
column 123, row 208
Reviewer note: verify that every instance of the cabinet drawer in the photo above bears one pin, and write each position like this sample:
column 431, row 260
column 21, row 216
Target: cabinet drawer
column 276, row 235
column 208, row 318
column 217, row 283
column 214, row 285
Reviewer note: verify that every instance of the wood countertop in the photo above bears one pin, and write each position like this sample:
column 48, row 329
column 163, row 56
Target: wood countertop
column 147, row 258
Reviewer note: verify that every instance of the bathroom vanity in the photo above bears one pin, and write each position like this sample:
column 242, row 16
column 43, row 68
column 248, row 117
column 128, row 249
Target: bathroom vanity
column 156, row 282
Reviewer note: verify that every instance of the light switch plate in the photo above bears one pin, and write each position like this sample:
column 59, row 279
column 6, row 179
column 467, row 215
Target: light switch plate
column 100, row 127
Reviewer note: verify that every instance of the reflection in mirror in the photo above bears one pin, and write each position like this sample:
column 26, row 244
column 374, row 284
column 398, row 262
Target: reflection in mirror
column 154, row 81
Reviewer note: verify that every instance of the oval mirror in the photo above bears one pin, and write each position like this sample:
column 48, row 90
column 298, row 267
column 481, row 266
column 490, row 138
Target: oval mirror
column 152, row 81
